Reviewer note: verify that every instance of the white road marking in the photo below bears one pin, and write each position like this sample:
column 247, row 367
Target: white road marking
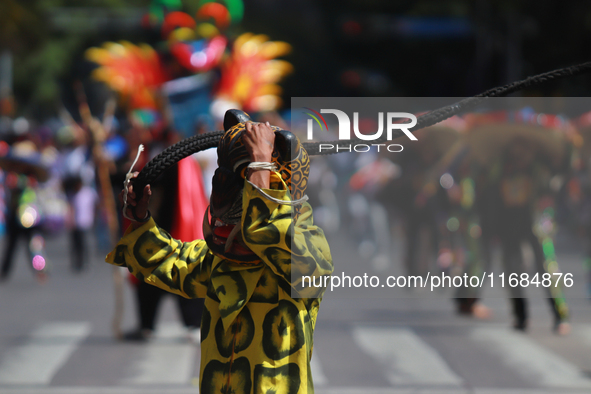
column 39, row 359
column 101, row 390
column 584, row 331
column 531, row 360
column 169, row 358
column 336, row 390
column 409, row 359
column 318, row 375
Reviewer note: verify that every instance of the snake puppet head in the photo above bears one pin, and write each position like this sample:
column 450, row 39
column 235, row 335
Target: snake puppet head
column 221, row 224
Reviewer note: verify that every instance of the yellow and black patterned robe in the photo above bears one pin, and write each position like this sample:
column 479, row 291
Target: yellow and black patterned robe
column 256, row 337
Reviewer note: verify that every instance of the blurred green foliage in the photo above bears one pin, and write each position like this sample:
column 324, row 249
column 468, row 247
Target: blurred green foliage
column 510, row 39
column 44, row 46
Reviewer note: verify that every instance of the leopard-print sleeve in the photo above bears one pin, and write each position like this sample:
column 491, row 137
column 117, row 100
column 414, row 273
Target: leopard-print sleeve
column 152, row 255
column 293, row 249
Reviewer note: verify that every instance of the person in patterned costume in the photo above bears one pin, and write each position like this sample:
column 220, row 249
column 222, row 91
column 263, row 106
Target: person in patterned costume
column 260, row 240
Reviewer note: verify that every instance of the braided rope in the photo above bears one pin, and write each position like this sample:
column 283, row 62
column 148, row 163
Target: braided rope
column 191, row 145
column 172, row 155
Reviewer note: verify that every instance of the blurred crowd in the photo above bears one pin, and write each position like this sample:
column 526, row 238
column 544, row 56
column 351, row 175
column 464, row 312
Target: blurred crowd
column 512, row 181
column 63, row 176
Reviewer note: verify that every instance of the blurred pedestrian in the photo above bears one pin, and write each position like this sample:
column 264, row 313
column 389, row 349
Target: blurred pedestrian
column 22, row 222
column 168, row 196
column 78, row 183
column 24, row 213
column 83, row 204
column 519, row 184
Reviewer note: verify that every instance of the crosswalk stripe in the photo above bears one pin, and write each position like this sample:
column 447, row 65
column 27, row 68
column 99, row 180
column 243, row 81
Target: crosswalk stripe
column 318, row 375
column 167, row 359
column 584, row 331
column 100, row 390
column 409, row 359
column 523, row 391
column 336, row 390
column 48, row 349
column 531, row 360
column 366, row 390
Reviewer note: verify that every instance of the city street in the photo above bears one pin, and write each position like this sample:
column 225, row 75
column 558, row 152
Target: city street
column 444, row 146
column 56, row 337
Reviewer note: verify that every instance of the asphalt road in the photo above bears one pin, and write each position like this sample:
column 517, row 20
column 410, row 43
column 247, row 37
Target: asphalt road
column 56, row 337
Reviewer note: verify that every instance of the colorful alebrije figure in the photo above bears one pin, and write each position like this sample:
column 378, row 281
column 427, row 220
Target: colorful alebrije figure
column 248, row 69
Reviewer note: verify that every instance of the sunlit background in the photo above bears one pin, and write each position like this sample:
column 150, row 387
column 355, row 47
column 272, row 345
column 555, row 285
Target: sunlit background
column 498, row 190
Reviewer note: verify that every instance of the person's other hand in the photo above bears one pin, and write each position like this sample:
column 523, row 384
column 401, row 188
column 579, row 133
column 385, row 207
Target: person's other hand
column 140, row 207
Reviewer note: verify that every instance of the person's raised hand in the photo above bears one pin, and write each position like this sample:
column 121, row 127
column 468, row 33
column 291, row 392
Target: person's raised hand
column 259, row 141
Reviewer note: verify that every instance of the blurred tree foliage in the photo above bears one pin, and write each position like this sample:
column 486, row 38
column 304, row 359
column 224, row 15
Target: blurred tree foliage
column 42, row 51
column 336, row 49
